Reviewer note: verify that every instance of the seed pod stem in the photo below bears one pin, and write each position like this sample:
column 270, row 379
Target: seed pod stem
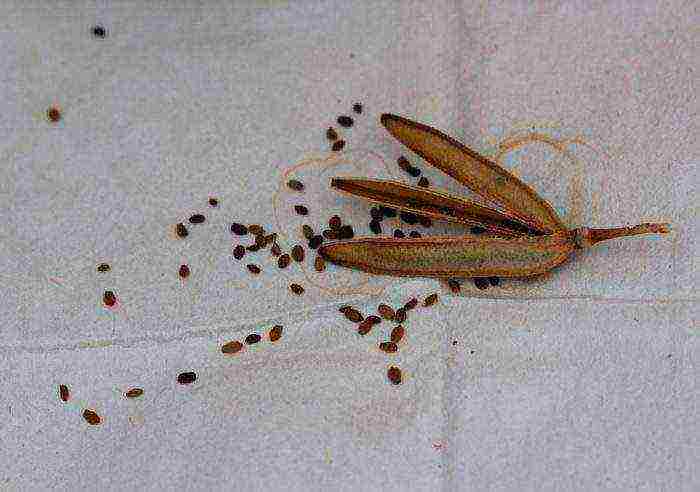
column 587, row 237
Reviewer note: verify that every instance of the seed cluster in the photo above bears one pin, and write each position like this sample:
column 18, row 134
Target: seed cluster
column 235, row 346
column 378, row 214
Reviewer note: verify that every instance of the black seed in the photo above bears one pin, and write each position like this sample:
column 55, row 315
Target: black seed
column 338, row 145
column 298, row 253
column 186, row 377
column 184, row 271
column 99, row 32
column 213, row 202
column 284, row 261
column 331, row 134
column 399, row 233
column 295, row 184
column 425, row 221
column 239, row 229
column 481, row 283
column 239, row 252
column 477, row 230
column 197, row 219
column 181, row 230
column 103, row 267
column 357, row 108
column 307, row 231
column 454, row 285
column 53, row 114
column 301, row 210
column 254, row 269
column 494, row 281
column 346, row 232
column 394, row 375
column 315, row 242
column 345, row 121
column 414, row 234
column 388, row 347
column 388, row 212
column 423, row 182
column 409, row 218
column 252, row 338
column 335, row 222
column 296, row 288
column 375, row 226
column 376, row 213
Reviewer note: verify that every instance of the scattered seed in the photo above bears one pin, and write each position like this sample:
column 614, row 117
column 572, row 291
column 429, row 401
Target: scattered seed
column 283, row 261
column 184, row 271
column 330, row 234
column 394, row 375
column 400, row 315
column 103, row 267
column 388, row 347
column 307, row 231
column 415, row 234
column 375, row 320
column 275, row 333
column 357, row 108
column 252, row 338
column 365, row 327
column 353, row 315
column 296, row 288
column 256, row 229
column 397, row 334
column 109, row 298
column 386, row 311
column 375, row 226
column 91, row 417
column 239, row 229
column 399, row 233
column 197, row 219
column 411, row 304
column 64, row 392
column 346, row 232
column 99, row 32
column 213, row 202
column 331, row 134
column 430, row 300
column 477, row 230
column 133, row 393
column 409, row 218
column 494, row 281
column 301, row 210
column 276, row 250
column 295, row 185
column 253, row 247
column 345, row 121
column 232, row 347
column 454, row 285
column 388, row 212
column 425, row 221
column 181, row 230
column 319, row 263
column 376, row 213
column 254, row 269
column 298, row 253
column 53, row 114
column 338, row 145
column 481, row 283
column 315, row 241
column 335, row 222
column 186, row 377
column 423, row 182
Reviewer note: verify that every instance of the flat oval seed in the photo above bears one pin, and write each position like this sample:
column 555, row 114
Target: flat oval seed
column 297, row 289
column 343, row 309
column 275, row 250
column 284, row 261
column 213, row 202
column 388, row 347
column 64, row 392
column 184, row 271
column 239, row 252
column 411, row 304
column 331, row 134
column 133, row 393
column 239, row 229
column 375, row 320
column 109, row 298
column 301, row 210
column 345, row 121
column 298, row 253
column 400, row 315
column 275, row 333
column 365, row 327
column 252, row 338
column 232, row 347
column 430, row 300
column 394, row 375
column 91, row 417
column 254, row 269
column 385, row 311
column 397, row 334
column 354, row 315
column 197, row 219
column 295, row 185
column 181, row 230
column 186, row 377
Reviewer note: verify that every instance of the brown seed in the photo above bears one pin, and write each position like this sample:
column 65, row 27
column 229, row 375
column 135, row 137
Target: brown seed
column 109, row 298
column 252, row 338
column 331, row 134
column 298, row 253
column 315, row 241
column 103, row 267
column 256, row 229
column 186, row 377
column 91, row 417
column 385, row 311
column 423, row 182
column 454, row 285
column 253, row 247
column 345, row 121
column 394, row 375
column 338, row 145
column 319, row 263
column 411, row 304
column 354, row 315
column 330, row 234
column 275, row 333
column 296, row 288
column 181, row 230
column 133, row 393
column 232, row 347
column 254, row 269
column 343, row 309
column 53, row 114
column 335, row 222
column 388, row 347
column 197, row 219
column 397, row 334
column 307, row 231
column 365, row 327
column 301, row 210
column 64, row 392
column 239, row 229
column 430, row 300
column 400, row 315
column 357, row 108
column 276, row 250
column 184, row 271
column 213, row 202
column 270, row 238
column 375, row 320
column 239, row 252
column 283, row 261
column 295, row 185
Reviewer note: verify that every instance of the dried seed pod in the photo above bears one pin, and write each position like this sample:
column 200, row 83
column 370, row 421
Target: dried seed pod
column 103, row 267
column 315, row 241
column 197, row 219
column 186, row 377
column 414, row 234
column 481, row 283
column 397, row 334
column 354, row 315
column 388, row 347
column 319, row 263
column 284, row 261
column 109, row 298
column 232, row 347
column 364, row 327
column 454, row 285
column 239, row 252
column 252, row 338
column 331, row 134
column 181, row 230
column 330, row 234
column 386, row 311
column 91, row 417
column 213, row 202
column 275, row 250
column 239, row 229
column 375, row 320
column 411, row 304
column 133, row 393
column 64, row 392
column 394, row 375
column 494, row 281
column 345, row 121
column 307, row 231
column 256, row 229
column 298, row 253
column 398, row 233
column 375, row 226
column 430, row 300
column 254, row 269
column 338, row 145
column 423, row 182
column 275, row 333
column 184, row 271
column 296, row 289
column 357, row 108
column 400, row 315
column 346, row 232
column 295, row 185
column 301, row 210
column 335, row 222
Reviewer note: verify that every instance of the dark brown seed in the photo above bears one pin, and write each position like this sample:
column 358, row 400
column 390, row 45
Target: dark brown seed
column 315, row 241
column 109, row 298
column 386, row 311
column 53, row 114
column 275, row 333
column 181, row 230
column 345, row 121
column 295, row 185
column 346, row 232
column 409, row 218
column 184, row 271
column 252, row 338
column 239, row 229
column 394, row 375
column 454, row 285
column 411, row 304
column 375, row 320
column 213, row 202
column 413, row 171
column 270, row 238
column 403, row 163
column 256, row 229
column 330, row 234
column 481, row 283
column 494, row 281
column 253, row 247
column 91, row 417
column 335, row 222
column 430, row 300
column 354, row 315
column 134, row 393
column 400, row 315
column 103, row 267
column 338, row 145
column 415, row 234
column 296, row 288
column 239, row 252
column 425, row 221
column 232, row 347
column 254, row 269
column 64, row 392
column 423, row 182
column 99, row 32
column 477, row 230
column 186, row 377
column 376, row 213
column 276, row 250
column 399, row 233
column 283, row 261
column 357, row 108
column 197, row 219
column 307, row 231
column 397, row 334
column 343, row 309
column 365, row 327
column 388, row 212
column 298, row 253
column 388, row 347
column 301, row 210
column 375, row 226
column 331, row 134
column 319, row 263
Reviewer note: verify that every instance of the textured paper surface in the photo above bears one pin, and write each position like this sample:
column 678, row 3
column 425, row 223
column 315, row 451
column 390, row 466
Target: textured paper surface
column 584, row 379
